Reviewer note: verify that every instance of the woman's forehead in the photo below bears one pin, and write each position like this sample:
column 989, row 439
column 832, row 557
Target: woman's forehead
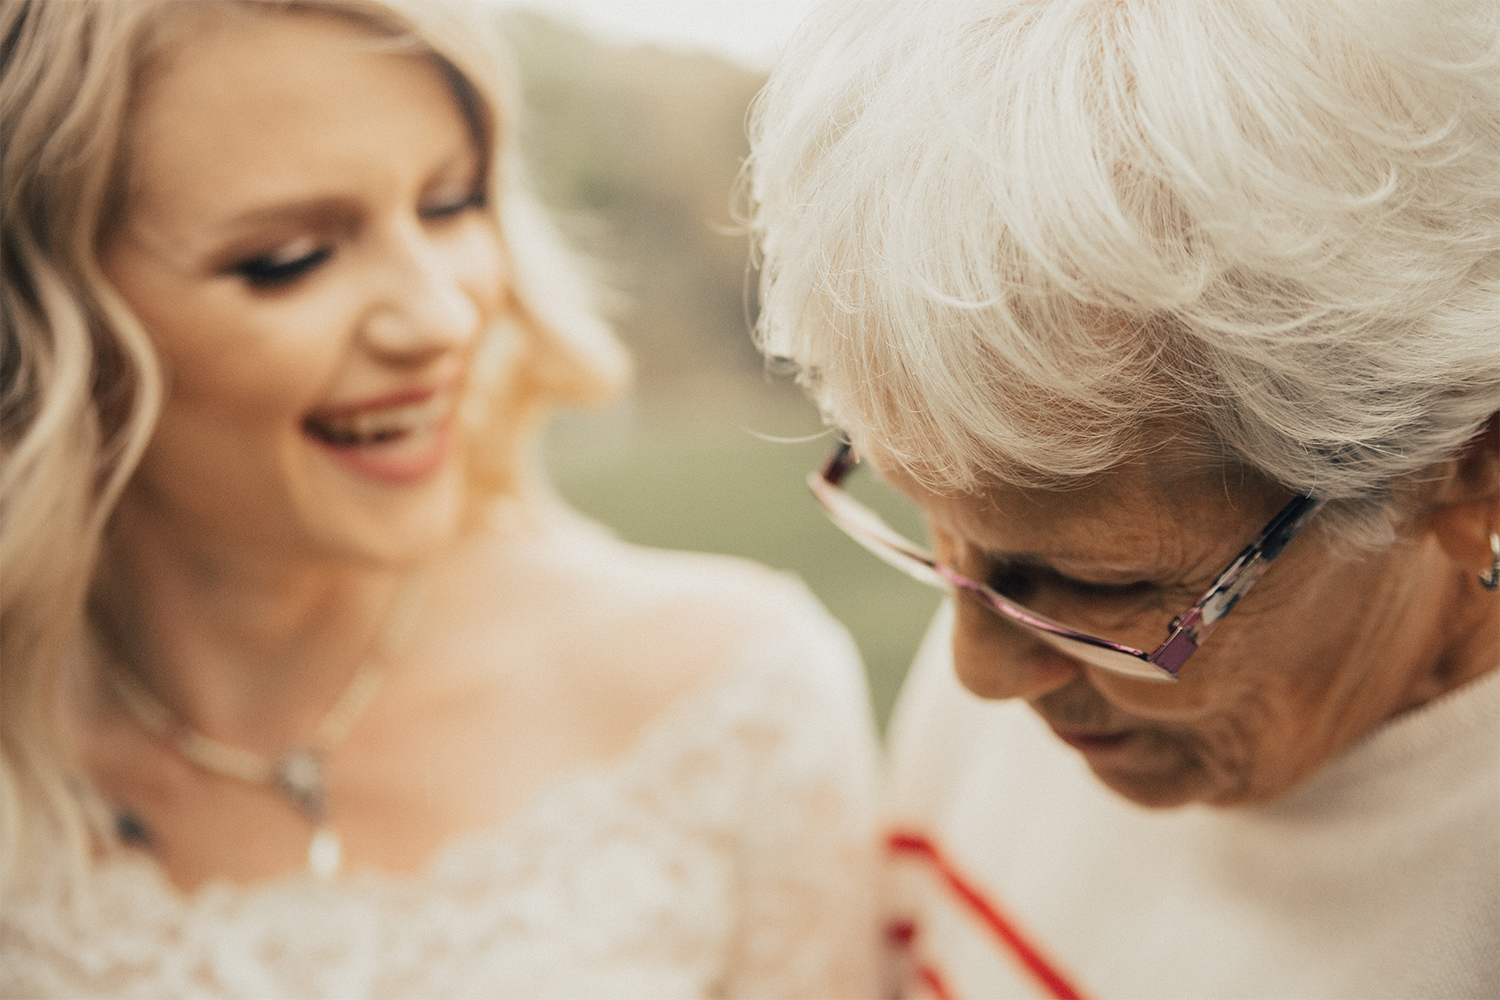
column 1134, row 518
column 252, row 105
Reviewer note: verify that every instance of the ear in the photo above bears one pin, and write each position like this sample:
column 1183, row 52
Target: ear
column 1464, row 502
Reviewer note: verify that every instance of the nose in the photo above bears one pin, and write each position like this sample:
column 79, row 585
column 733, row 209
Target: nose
column 424, row 304
column 998, row 659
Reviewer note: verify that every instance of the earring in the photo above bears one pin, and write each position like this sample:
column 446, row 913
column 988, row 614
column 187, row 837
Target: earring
column 1490, row 578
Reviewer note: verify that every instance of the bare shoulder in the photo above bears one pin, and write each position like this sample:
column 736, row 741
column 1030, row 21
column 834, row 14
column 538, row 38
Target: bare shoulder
column 692, row 611
column 628, row 630
column 684, row 618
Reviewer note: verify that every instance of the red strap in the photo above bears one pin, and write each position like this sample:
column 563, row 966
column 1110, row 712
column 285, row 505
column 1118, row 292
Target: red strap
column 902, row 935
column 933, row 982
column 1055, row 983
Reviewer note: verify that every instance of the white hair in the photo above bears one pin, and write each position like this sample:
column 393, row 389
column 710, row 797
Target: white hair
column 1010, row 239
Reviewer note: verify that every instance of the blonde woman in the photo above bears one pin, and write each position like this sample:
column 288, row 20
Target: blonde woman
column 310, row 686
column 1181, row 323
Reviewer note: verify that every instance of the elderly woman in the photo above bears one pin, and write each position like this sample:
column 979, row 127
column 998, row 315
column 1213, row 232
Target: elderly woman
column 310, row 686
column 1142, row 303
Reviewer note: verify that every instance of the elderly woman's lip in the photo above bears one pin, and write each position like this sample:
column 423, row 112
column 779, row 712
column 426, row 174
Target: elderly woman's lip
column 1097, row 741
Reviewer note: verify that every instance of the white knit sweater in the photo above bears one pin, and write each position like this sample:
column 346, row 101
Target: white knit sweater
column 1023, row 875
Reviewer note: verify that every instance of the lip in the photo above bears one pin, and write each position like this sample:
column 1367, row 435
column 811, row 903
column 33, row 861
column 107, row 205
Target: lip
column 389, row 462
column 400, row 397
column 1094, row 743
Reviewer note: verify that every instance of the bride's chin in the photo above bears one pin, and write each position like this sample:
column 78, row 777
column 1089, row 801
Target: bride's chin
column 398, row 526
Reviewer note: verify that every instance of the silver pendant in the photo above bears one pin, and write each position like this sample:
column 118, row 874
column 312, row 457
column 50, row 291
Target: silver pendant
column 299, row 776
column 325, row 853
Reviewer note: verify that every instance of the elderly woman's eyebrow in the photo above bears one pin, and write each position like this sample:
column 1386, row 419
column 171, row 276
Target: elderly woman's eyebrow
column 1084, row 568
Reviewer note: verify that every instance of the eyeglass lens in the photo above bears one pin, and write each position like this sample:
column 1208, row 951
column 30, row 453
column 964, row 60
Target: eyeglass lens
column 871, row 532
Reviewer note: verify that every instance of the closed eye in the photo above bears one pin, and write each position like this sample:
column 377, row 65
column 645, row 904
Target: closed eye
column 1021, row 583
column 283, row 265
column 444, row 209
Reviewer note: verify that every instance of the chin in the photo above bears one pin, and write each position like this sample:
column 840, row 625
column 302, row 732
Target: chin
column 406, row 530
column 1158, row 791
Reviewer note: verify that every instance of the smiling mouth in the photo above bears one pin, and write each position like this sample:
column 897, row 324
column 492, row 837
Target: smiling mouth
column 384, row 425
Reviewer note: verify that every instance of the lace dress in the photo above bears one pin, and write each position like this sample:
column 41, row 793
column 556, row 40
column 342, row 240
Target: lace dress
column 727, row 854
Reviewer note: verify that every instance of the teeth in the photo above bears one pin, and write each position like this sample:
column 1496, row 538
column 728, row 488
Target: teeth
column 377, row 426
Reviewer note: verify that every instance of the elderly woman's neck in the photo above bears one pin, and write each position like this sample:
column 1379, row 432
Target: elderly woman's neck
column 1468, row 647
column 245, row 646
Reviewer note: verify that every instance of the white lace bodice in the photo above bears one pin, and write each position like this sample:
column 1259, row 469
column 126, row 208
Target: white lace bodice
column 728, row 854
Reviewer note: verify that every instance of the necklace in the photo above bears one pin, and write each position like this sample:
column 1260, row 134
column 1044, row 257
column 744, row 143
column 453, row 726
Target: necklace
column 297, row 773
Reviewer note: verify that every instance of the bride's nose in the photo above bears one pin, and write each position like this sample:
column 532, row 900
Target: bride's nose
column 426, row 301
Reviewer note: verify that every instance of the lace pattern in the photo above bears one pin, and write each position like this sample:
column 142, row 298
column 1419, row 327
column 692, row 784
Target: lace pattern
column 728, row 854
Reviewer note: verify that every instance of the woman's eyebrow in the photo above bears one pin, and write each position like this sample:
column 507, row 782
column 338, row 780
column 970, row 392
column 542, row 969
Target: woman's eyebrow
column 319, row 209
column 1101, row 564
column 246, row 232
column 316, row 209
column 1069, row 563
column 464, row 155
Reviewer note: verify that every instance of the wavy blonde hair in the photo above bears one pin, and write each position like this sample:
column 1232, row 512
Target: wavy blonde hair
column 80, row 386
column 1018, row 239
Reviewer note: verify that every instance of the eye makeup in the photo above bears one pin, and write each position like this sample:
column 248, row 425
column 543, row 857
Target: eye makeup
column 284, row 265
column 327, row 224
column 450, row 204
column 459, row 185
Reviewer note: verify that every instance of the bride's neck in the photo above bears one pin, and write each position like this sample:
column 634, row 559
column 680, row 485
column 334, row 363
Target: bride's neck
column 242, row 645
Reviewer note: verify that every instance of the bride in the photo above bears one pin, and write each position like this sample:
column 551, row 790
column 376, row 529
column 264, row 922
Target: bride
column 310, row 686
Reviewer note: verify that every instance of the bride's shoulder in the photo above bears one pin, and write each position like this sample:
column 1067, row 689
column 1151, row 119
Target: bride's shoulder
column 643, row 627
column 716, row 598
column 705, row 607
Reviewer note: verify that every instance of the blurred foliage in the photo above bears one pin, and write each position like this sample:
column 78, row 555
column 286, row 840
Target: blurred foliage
column 637, row 151
column 647, row 143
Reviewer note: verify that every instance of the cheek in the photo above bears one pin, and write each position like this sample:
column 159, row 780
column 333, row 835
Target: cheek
column 480, row 263
column 1280, row 647
column 1236, row 690
column 1221, row 746
column 981, row 654
column 260, row 358
column 223, row 346
column 996, row 659
column 1195, row 695
column 1232, row 730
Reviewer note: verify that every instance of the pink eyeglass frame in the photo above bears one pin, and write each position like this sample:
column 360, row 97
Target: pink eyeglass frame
column 1187, row 631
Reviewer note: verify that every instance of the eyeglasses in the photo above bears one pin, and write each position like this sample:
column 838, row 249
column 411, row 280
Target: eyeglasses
column 1186, row 632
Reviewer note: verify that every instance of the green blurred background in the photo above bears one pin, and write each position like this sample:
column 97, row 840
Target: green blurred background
column 637, row 150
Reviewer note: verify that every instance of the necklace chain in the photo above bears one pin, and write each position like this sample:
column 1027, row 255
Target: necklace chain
column 237, row 762
column 297, row 773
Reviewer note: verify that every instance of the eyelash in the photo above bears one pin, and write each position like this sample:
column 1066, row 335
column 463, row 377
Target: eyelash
column 265, row 271
column 475, row 199
column 1021, row 582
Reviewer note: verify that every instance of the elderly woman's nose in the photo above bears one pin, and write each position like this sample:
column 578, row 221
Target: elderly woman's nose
column 995, row 658
column 426, row 302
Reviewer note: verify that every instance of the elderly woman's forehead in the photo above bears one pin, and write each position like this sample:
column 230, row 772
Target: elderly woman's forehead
column 1137, row 507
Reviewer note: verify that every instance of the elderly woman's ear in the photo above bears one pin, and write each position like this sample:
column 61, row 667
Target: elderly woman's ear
column 1463, row 500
